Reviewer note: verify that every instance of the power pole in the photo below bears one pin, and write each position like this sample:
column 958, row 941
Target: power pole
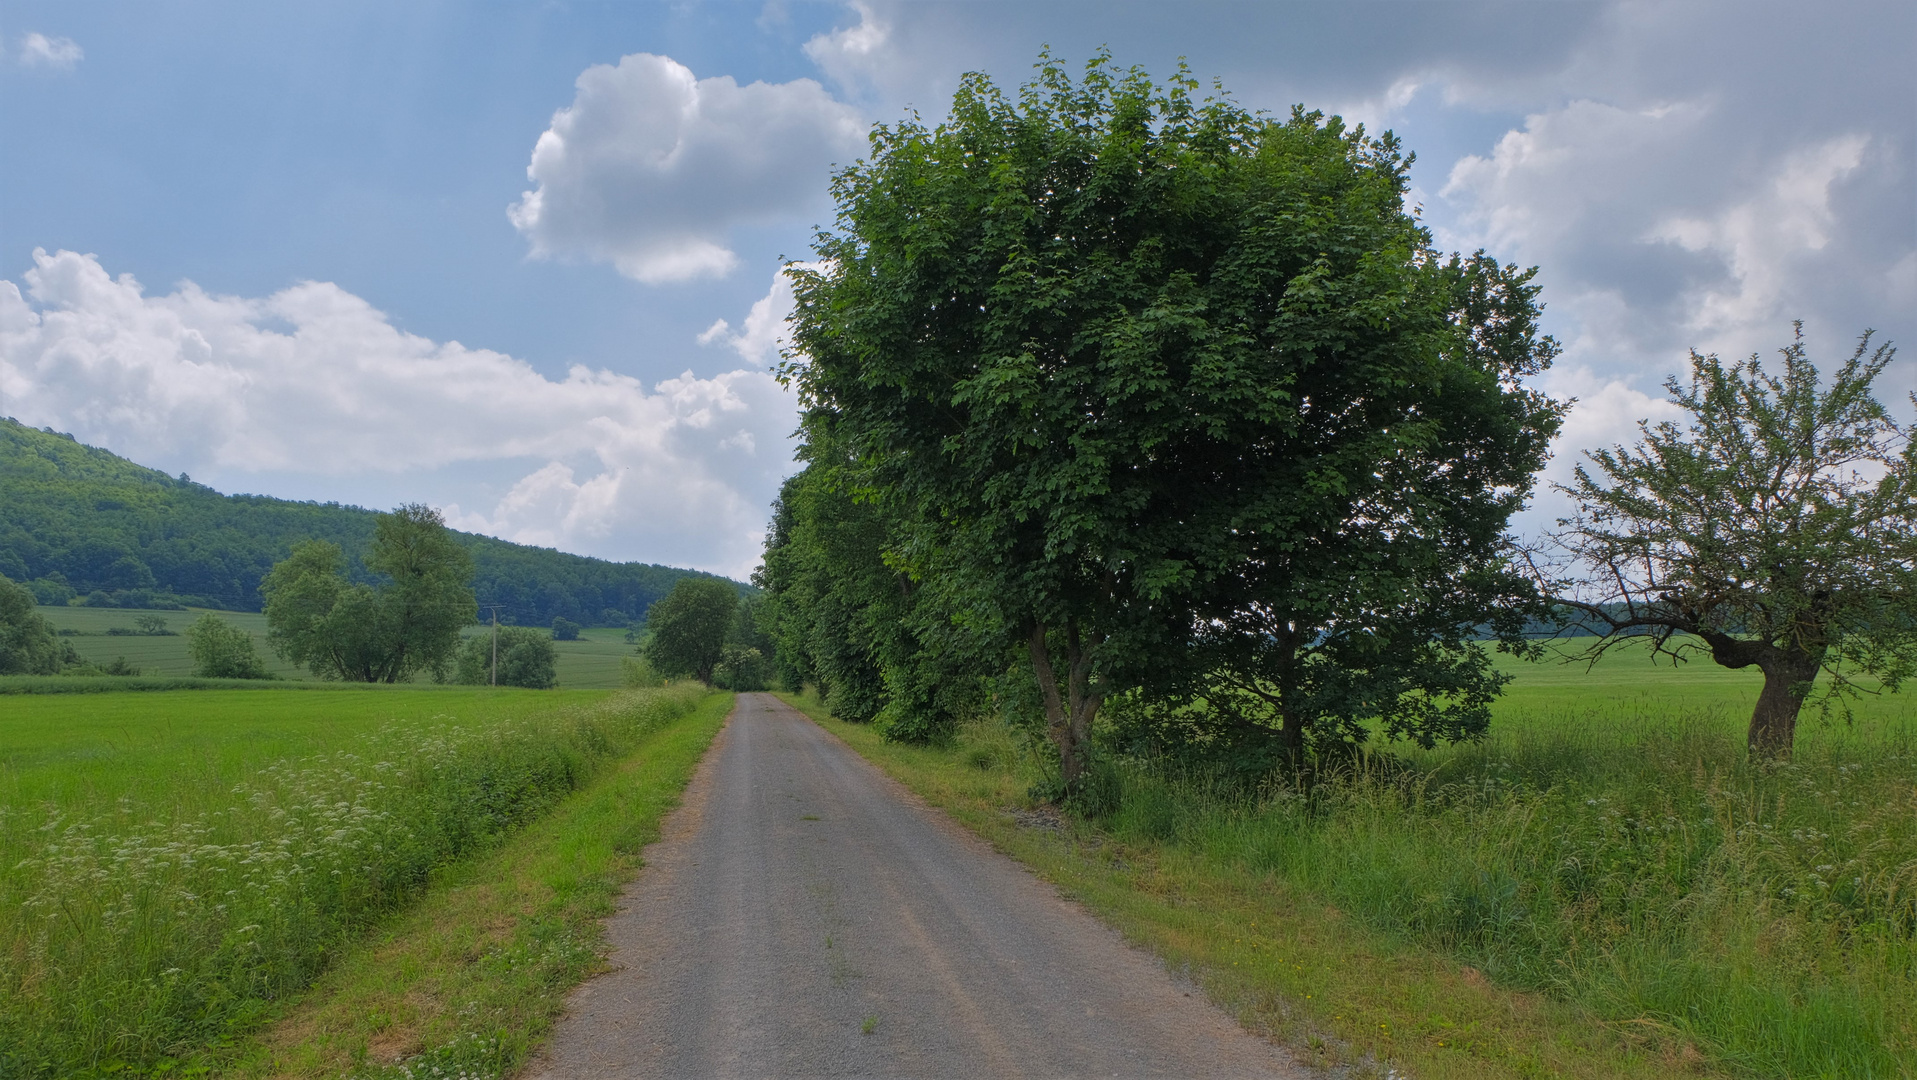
column 495, row 648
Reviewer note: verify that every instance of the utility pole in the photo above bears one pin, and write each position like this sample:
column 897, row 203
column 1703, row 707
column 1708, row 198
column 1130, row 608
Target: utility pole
column 495, row 648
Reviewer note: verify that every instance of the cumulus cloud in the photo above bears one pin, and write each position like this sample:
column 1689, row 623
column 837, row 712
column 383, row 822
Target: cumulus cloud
column 763, row 334
column 58, row 53
column 853, row 56
column 651, row 167
column 314, row 380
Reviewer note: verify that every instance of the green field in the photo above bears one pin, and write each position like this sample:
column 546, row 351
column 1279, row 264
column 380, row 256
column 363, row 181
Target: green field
column 175, row 862
column 591, row 663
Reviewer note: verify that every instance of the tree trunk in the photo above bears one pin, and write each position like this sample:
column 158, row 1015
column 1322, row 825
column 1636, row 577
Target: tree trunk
column 1774, row 721
column 1068, row 714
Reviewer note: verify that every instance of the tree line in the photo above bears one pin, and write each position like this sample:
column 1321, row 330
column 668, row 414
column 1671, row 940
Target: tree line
column 1123, row 403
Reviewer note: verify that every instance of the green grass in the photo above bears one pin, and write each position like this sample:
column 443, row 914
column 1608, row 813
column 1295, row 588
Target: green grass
column 179, row 863
column 470, row 979
column 1605, row 886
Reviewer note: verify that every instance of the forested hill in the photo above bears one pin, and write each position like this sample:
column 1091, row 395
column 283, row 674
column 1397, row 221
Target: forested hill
column 77, row 521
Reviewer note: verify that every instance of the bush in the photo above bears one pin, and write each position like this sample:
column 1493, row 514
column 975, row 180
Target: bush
column 637, row 673
column 221, row 650
column 526, row 658
column 564, row 629
column 743, row 668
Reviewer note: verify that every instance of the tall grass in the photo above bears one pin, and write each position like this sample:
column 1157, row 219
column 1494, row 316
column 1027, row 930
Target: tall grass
column 139, row 933
column 1765, row 914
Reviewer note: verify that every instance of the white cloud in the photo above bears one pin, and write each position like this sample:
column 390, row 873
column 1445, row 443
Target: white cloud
column 313, row 380
column 650, row 167
column 855, row 55
column 763, row 334
column 58, row 53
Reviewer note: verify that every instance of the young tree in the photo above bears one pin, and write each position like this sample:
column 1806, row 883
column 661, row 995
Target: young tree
column 221, row 650
column 564, row 629
column 1775, row 531
column 526, row 658
column 688, row 627
column 359, row 633
column 1126, row 366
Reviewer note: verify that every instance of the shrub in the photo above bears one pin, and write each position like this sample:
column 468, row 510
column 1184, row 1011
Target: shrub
column 221, row 650
column 27, row 642
column 526, row 658
column 564, row 629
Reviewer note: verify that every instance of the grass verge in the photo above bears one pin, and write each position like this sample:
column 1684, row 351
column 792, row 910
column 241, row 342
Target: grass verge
column 179, row 865
column 468, row 981
column 1281, row 959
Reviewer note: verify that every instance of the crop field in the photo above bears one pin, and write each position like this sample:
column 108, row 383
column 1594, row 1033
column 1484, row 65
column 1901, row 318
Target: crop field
column 1607, row 850
column 174, row 863
column 591, row 663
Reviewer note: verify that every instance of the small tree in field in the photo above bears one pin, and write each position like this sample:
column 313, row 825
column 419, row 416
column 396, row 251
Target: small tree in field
column 1775, row 531
column 689, row 627
column 221, row 650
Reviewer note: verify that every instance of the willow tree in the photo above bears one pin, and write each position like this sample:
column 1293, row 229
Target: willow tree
column 1774, row 531
column 1104, row 347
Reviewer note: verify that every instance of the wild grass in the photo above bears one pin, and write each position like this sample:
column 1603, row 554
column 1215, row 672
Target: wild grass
column 1609, row 855
column 173, row 866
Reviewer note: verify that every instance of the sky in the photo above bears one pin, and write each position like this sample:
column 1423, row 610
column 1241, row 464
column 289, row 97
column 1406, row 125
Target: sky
column 520, row 261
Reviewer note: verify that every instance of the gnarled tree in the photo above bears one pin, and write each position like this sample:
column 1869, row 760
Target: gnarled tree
column 1774, row 531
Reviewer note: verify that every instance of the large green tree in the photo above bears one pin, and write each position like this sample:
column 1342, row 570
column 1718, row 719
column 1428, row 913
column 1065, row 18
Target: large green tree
column 221, row 650
column 406, row 624
column 1138, row 372
column 27, row 642
column 688, row 627
column 1777, row 530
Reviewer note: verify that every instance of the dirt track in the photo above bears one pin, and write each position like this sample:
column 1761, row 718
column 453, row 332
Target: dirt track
column 805, row 916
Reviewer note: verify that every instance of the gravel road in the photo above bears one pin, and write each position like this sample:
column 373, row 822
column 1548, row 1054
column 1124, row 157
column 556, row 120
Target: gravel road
column 805, row 916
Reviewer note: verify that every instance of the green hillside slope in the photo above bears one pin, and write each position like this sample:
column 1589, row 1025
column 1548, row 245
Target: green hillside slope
column 78, row 522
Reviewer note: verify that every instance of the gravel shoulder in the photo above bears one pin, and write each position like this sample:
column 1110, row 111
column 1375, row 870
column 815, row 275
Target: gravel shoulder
column 805, row 916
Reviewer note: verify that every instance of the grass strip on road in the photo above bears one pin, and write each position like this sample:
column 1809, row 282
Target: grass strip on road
column 467, row 982
column 1285, row 963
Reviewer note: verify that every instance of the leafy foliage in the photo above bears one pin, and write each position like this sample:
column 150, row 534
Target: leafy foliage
column 526, row 658
column 27, row 642
column 78, row 524
column 221, row 650
column 1164, row 392
column 689, row 628
column 1778, row 530
column 362, row 633
column 564, row 629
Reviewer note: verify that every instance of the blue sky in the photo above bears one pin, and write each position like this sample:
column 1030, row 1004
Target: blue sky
column 291, row 249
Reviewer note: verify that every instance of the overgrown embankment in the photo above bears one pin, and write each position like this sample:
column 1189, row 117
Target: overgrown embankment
column 157, row 919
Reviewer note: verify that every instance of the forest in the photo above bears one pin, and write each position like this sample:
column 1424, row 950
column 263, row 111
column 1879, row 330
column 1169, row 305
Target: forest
column 79, row 524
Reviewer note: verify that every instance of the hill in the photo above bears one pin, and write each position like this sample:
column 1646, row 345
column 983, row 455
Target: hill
column 78, row 523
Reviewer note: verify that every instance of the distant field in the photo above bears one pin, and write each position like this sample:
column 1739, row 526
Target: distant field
column 591, row 663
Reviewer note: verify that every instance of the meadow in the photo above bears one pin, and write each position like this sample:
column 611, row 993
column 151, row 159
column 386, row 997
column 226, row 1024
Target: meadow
column 590, row 663
column 177, row 865
column 1604, row 886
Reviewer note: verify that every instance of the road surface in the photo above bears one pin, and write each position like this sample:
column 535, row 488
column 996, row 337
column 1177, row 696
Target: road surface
column 805, row 916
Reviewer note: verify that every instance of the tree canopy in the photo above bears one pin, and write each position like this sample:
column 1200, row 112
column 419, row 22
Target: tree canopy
column 1138, row 381
column 1775, row 530
column 221, row 650
column 689, row 628
column 27, row 642
column 409, row 623
column 526, row 658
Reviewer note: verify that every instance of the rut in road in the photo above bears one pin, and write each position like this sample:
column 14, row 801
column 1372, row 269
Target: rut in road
column 805, row 916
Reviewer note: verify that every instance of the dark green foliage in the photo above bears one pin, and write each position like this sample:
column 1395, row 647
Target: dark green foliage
column 221, row 650
column 153, row 626
column 1778, row 531
column 564, row 629
column 526, row 658
column 75, row 521
column 1166, row 394
column 28, row 645
column 360, row 633
column 689, row 628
